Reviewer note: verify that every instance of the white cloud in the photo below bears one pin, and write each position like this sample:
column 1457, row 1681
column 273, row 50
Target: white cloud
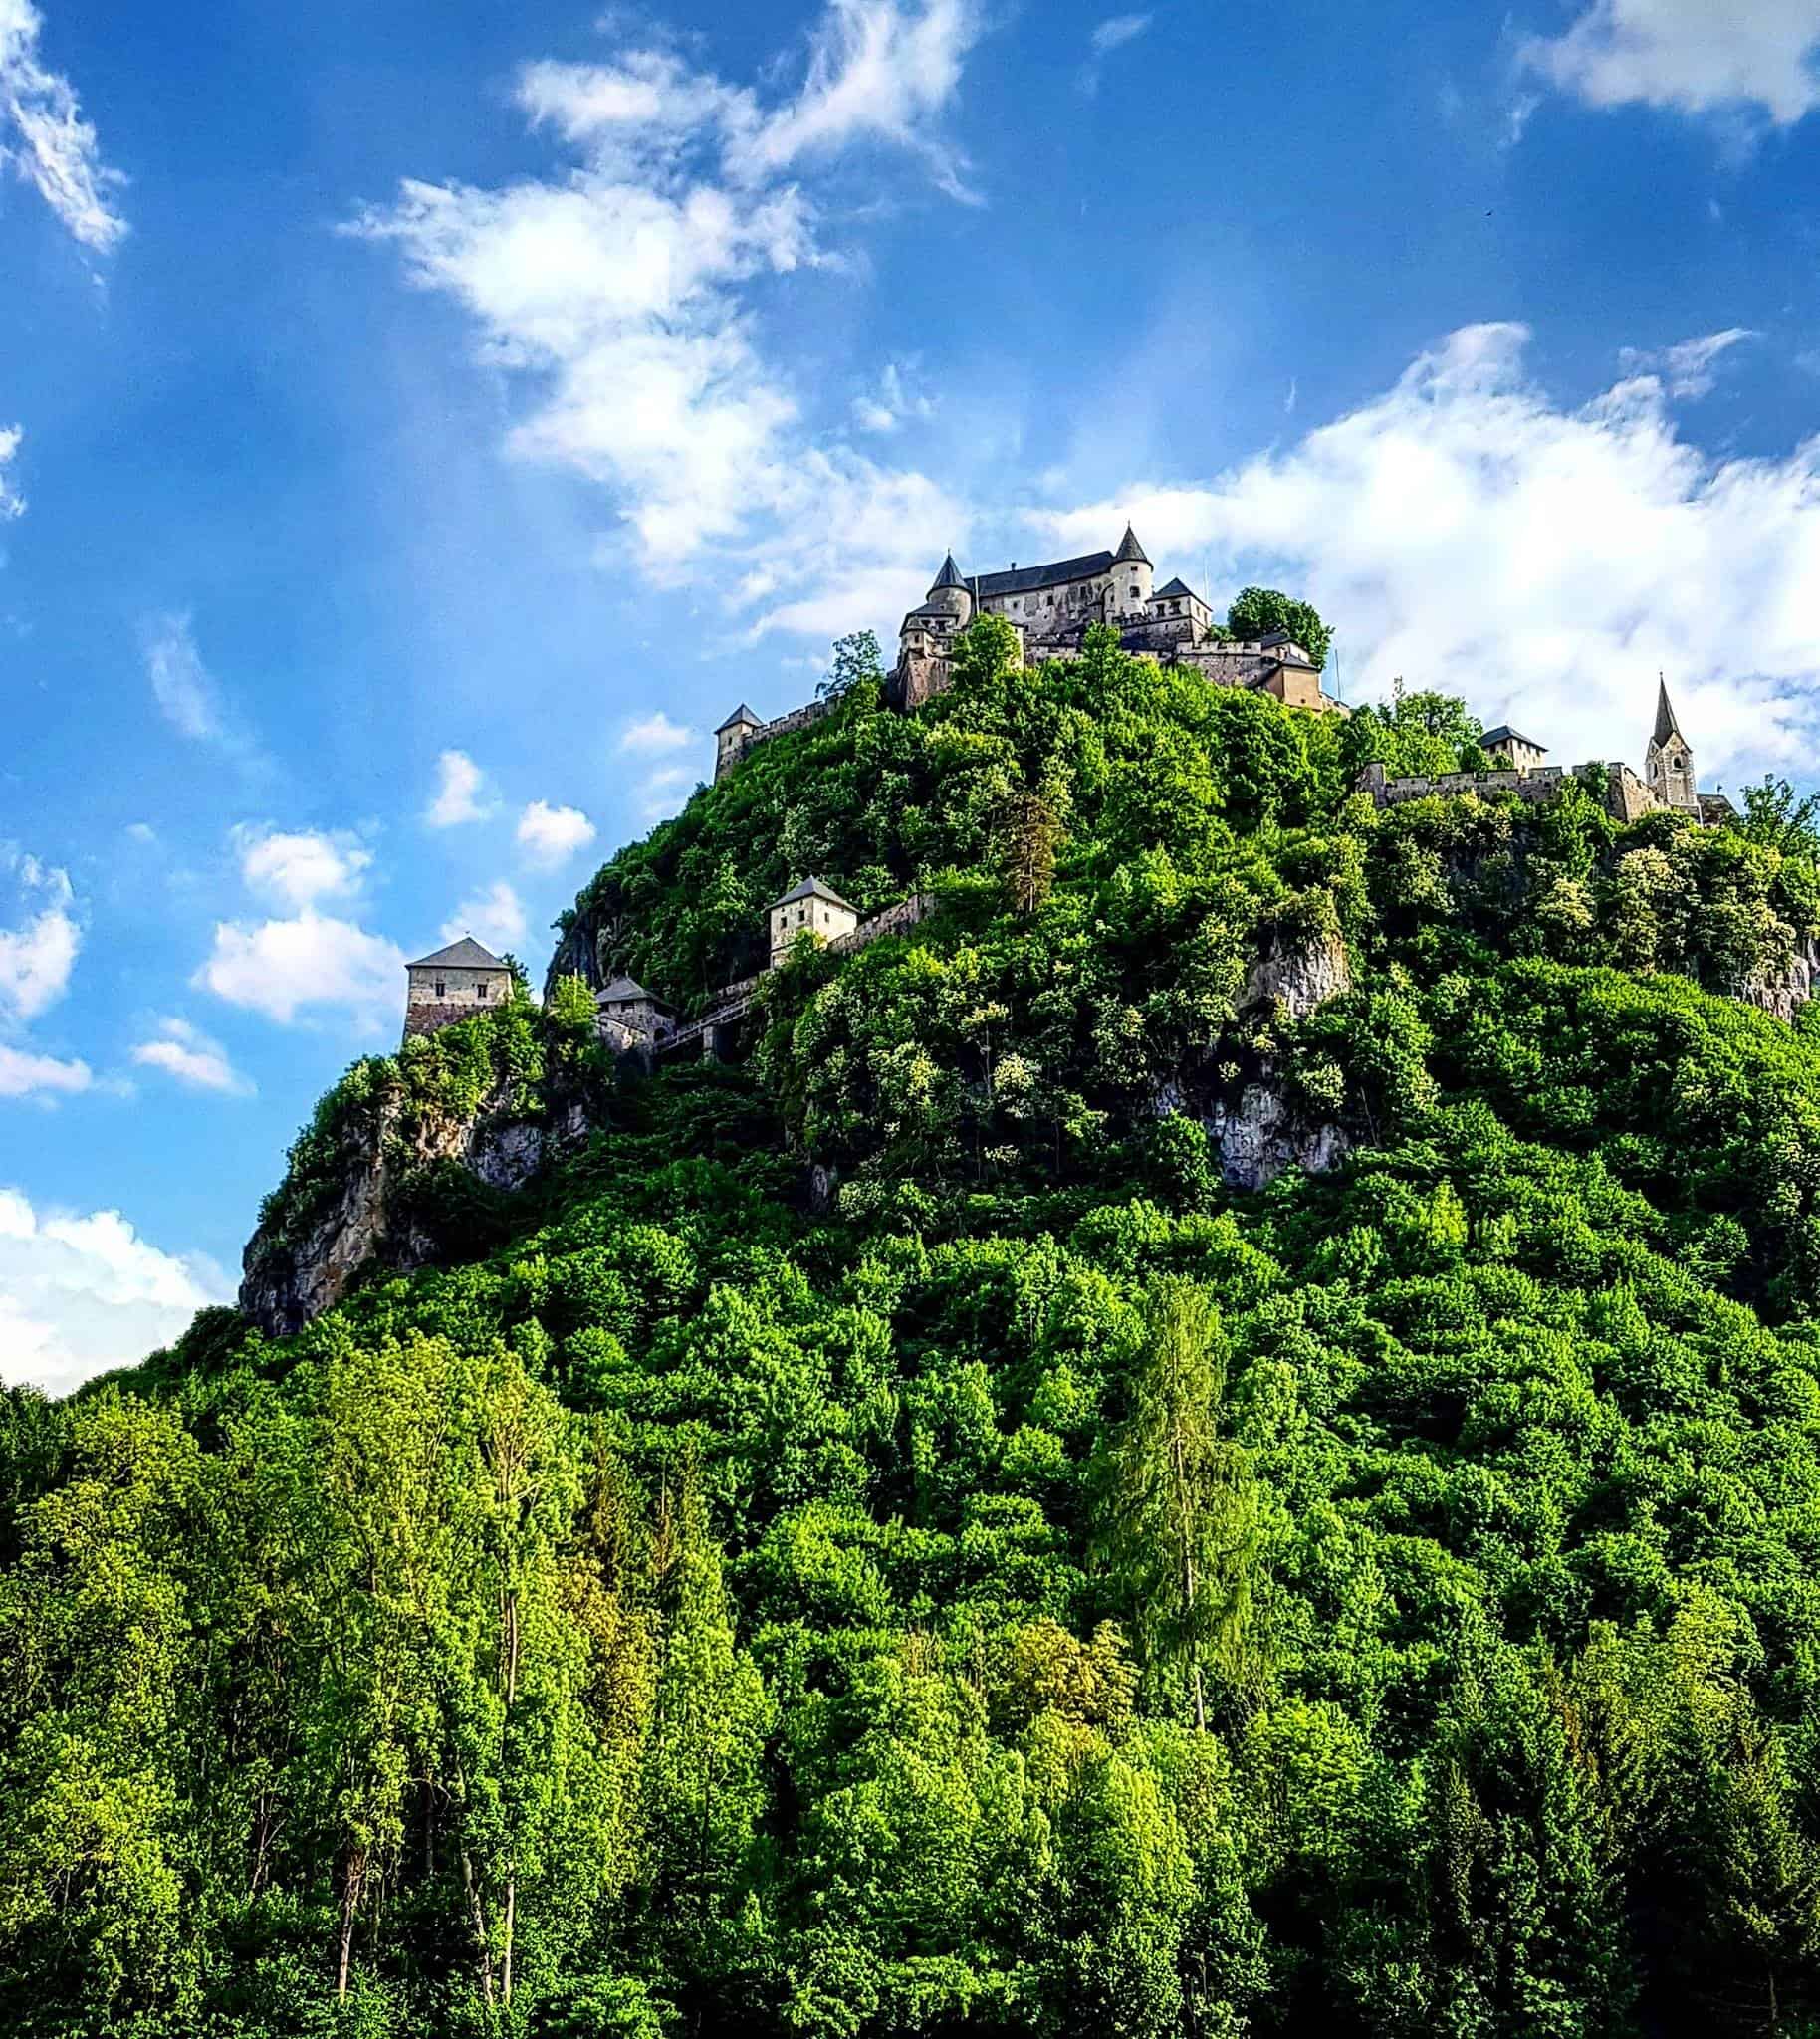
column 1755, row 55
column 661, row 793
column 1689, row 369
column 25, row 1075
column 298, row 868
column 1464, row 530
column 893, row 402
column 620, row 295
column 282, row 967
column 143, row 833
column 458, row 793
column 192, row 1058
column 1117, row 30
column 494, row 915
column 654, row 734
column 547, row 835
column 82, row 1293
column 185, row 690
column 37, row 955
column 1111, row 34
column 45, row 139
column 11, row 437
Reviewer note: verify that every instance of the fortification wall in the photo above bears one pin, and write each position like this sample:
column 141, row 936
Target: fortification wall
column 1626, row 795
column 892, row 921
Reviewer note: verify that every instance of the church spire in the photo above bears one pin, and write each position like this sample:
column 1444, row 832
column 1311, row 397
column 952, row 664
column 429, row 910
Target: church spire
column 1666, row 725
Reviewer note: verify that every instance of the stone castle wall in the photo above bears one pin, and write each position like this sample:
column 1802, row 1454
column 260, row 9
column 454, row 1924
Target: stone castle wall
column 1625, row 796
column 797, row 718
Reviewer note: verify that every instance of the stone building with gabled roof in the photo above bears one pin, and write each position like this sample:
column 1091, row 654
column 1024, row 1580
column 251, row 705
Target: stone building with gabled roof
column 628, row 1016
column 453, row 982
column 811, row 908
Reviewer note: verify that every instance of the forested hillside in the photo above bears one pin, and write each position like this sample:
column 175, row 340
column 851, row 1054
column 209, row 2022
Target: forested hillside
column 892, row 1537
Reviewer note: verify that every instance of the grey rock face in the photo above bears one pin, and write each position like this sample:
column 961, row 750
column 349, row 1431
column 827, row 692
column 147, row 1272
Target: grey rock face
column 1259, row 1136
column 287, row 1282
column 1300, row 979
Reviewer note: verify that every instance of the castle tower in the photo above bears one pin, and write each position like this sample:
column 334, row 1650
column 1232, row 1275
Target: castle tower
column 1668, row 763
column 1131, row 576
column 951, row 595
column 731, row 738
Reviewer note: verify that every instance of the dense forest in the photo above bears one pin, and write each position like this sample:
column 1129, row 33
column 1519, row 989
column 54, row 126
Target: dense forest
column 889, row 1539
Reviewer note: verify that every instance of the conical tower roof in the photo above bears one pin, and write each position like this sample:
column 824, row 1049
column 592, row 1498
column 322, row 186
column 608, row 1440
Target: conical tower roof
column 949, row 576
column 1130, row 550
column 1666, row 725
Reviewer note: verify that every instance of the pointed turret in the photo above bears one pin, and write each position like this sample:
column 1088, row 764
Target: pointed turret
column 949, row 576
column 1130, row 550
column 1668, row 763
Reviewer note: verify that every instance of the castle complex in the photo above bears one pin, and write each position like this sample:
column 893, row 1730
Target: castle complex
column 1051, row 609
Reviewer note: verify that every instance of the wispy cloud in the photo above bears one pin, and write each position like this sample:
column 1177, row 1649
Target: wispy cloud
column 187, row 692
column 36, row 954
column 1689, row 369
column 299, row 867
column 45, row 138
column 12, row 503
column 1111, row 34
column 617, row 292
column 191, row 1057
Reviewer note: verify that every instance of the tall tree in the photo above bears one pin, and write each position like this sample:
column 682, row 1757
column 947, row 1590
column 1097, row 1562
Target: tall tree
column 858, row 661
column 1178, row 1515
column 1258, row 612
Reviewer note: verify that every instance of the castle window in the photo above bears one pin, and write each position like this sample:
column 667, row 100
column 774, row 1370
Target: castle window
column 441, row 988
column 482, row 989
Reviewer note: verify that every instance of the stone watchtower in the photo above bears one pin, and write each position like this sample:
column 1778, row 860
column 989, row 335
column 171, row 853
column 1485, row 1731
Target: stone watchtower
column 454, row 984
column 1668, row 763
column 1132, row 575
column 733, row 737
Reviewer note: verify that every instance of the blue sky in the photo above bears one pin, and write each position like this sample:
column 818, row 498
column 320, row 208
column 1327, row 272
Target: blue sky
column 420, row 424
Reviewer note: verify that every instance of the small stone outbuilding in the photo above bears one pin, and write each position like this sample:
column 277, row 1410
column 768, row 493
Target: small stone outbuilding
column 628, row 1016
column 811, row 908
column 453, row 984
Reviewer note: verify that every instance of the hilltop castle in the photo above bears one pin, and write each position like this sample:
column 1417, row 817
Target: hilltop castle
column 1051, row 609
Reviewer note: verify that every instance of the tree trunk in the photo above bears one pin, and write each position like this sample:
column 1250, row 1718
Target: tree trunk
column 354, row 1875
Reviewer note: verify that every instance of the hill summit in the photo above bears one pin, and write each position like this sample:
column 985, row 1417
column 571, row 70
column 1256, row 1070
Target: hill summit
column 1219, row 1433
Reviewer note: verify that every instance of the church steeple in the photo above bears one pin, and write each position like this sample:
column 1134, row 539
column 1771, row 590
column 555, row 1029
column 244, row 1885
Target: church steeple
column 1668, row 763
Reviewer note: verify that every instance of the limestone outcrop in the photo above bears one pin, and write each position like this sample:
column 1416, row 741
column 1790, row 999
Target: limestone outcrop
column 369, row 1215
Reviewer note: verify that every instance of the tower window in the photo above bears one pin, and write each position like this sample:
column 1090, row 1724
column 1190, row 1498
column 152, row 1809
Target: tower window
column 483, row 989
column 442, row 989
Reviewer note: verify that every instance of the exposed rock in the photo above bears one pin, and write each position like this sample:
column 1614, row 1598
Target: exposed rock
column 1785, row 993
column 1259, row 1136
column 288, row 1281
column 1302, row 977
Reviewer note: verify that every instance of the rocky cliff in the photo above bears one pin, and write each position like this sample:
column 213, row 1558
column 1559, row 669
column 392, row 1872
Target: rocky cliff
column 371, row 1210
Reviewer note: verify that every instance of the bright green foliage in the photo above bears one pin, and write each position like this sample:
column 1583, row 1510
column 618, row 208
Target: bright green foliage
column 1258, row 612
column 1038, row 1587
